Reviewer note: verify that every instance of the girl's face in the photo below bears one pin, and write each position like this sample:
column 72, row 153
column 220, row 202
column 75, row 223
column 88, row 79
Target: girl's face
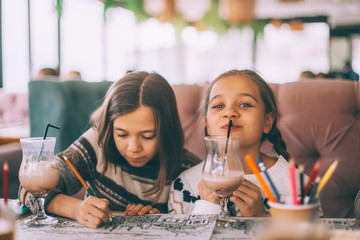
column 135, row 136
column 238, row 98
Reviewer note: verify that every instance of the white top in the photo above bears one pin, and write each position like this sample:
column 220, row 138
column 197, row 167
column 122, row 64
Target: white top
column 184, row 195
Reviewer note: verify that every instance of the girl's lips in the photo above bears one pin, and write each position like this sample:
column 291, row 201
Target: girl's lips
column 134, row 159
column 232, row 127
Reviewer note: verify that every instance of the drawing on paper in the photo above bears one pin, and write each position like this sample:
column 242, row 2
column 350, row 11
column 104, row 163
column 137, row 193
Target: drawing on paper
column 156, row 226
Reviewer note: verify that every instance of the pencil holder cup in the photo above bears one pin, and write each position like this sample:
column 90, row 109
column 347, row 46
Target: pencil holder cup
column 293, row 213
column 293, row 222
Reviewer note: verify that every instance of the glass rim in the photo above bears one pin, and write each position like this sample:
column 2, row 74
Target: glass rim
column 221, row 137
column 37, row 139
column 288, row 206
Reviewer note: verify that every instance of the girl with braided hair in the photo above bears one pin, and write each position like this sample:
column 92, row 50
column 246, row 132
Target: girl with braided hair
column 245, row 98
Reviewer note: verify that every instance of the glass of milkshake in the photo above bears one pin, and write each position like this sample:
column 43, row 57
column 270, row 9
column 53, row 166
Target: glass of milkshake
column 39, row 174
column 222, row 172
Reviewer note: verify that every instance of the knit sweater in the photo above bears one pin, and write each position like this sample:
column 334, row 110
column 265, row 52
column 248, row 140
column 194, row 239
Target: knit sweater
column 121, row 184
column 184, row 195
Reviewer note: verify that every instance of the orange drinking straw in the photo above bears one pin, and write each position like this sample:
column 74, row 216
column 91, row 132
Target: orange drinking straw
column 252, row 164
column 73, row 169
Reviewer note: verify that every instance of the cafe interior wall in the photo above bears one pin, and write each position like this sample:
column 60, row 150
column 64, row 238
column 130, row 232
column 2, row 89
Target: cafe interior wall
column 194, row 57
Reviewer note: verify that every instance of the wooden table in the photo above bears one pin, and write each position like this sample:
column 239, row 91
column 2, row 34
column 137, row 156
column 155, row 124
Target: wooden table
column 10, row 134
column 167, row 226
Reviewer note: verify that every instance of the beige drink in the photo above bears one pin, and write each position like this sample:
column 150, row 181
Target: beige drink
column 224, row 185
column 39, row 178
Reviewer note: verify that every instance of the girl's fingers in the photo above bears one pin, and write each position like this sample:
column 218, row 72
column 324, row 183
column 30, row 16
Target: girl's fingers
column 154, row 211
column 129, row 208
column 134, row 209
column 144, row 210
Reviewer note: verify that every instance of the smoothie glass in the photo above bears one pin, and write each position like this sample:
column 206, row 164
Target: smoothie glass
column 222, row 172
column 39, row 174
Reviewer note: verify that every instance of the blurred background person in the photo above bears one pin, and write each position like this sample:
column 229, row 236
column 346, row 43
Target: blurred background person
column 47, row 73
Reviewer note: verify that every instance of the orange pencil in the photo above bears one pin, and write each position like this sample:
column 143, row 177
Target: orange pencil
column 252, row 164
column 77, row 174
column 73, row 169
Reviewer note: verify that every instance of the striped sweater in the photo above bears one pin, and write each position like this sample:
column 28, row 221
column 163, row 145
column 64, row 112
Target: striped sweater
column 120, row 184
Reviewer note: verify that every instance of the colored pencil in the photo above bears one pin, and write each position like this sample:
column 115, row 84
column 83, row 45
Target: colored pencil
column 327, row 176
column 77, row 174
column 312, row 176
column 292, row 175
column 5, row 181
column 301, row 176
column 272, row 185
column 313, row 190
column 252, row 164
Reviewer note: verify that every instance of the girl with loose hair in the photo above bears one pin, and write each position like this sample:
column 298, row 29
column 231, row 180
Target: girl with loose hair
column 245, row 98
column 130, row 156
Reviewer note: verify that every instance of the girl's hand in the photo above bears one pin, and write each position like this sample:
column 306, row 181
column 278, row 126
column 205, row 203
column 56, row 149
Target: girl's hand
column 249, row 200
column 133, row 209
column 92, row 212
column 207, row 194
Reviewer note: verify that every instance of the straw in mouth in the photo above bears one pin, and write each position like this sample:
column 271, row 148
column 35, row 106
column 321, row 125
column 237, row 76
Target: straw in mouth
column 227, row 143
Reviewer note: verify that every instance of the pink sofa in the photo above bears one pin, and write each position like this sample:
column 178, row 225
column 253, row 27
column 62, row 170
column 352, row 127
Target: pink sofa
column 317, row 119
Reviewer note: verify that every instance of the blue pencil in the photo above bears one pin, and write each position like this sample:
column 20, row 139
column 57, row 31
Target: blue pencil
column 263, row 169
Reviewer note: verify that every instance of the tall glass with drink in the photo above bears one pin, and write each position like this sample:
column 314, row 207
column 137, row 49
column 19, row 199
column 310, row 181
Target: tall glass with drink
column 39, row 174
column 222, row 172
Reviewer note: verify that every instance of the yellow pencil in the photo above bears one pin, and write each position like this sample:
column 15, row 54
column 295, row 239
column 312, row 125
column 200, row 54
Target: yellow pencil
column 327, row 176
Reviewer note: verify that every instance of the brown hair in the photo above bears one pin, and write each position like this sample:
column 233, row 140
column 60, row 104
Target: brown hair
column 125, row 96
column 267, row 96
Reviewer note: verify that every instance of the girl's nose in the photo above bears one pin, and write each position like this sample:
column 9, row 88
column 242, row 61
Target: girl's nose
column 133, row 145
column 230, row 112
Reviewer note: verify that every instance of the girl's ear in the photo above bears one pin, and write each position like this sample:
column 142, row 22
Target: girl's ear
column 269, row 120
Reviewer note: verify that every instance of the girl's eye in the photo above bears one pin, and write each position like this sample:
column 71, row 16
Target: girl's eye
column 121, row 135
column 217, row 106
column 245, row 105
column 149, row 137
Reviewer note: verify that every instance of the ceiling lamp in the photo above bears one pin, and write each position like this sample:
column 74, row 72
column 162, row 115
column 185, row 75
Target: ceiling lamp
column 237, row 11
column 163, row 10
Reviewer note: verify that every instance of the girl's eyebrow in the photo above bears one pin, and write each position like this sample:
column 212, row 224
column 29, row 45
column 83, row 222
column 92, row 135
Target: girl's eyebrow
column 145, row 131
column 239, row 94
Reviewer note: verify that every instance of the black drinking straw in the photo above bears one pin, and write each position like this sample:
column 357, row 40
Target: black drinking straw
column 44, row 137
column 227, row 142
column 47, row 127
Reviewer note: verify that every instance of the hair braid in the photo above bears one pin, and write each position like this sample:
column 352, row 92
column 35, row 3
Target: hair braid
column 275, row 138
